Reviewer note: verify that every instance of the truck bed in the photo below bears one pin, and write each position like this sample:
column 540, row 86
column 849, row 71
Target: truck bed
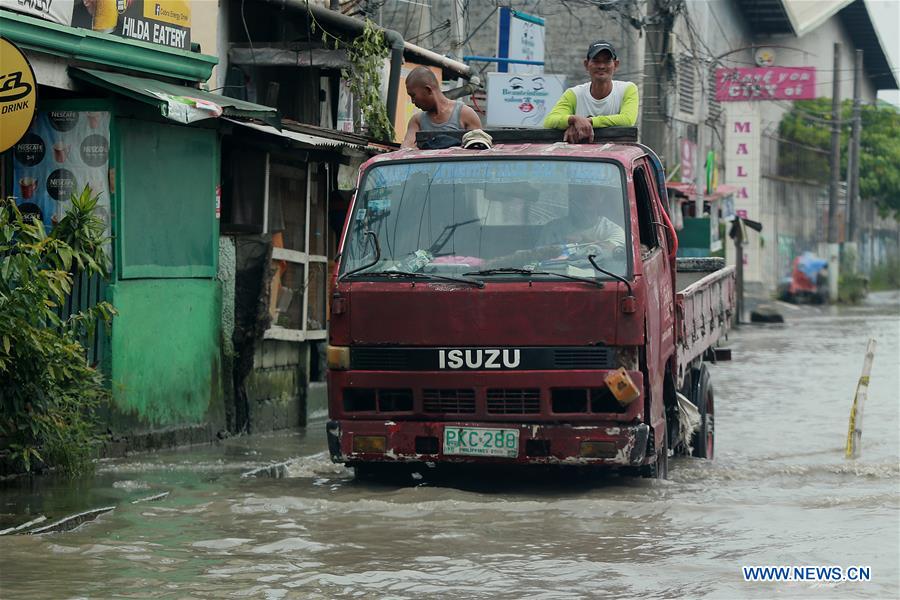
column 704, row 305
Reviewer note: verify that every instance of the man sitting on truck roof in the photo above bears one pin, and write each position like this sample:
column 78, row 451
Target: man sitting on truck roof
column 600, row 102
column 440, row 113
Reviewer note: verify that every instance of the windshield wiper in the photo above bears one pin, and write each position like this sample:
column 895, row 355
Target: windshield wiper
column 518, row 271
column 369, row 233
column 593, row 260
column 410, row 275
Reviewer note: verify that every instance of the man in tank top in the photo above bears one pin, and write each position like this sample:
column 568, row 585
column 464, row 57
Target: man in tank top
column 600, row 102
column 439, row 113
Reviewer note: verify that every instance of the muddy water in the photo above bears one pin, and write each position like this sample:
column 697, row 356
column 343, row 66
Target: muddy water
column 778, row 493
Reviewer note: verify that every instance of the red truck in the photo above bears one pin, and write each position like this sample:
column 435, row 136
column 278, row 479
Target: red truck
column 521, row 304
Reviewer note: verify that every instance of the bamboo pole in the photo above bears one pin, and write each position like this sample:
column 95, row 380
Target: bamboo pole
column 854, row 433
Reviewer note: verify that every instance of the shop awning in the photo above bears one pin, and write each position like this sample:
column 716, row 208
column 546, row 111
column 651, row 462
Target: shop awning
column 685, row 190
column 176, row 103
column 722, row 191
column 321, row 140
column 688, row 191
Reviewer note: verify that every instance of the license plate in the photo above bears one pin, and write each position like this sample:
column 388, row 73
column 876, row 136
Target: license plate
column 480, row 441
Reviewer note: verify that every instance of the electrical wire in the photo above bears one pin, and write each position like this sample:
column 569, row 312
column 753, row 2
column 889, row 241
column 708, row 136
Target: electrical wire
column 247, row 32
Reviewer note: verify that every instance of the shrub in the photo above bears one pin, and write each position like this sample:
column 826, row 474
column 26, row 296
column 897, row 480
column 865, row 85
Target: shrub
column 48, row 392
column 886, row 276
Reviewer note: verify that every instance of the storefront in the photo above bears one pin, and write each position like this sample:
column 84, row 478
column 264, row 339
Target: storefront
column 125, row 117
column 279, row 233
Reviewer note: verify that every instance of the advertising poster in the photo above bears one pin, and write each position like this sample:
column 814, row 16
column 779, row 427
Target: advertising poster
column 163, row 22
column 520, row 36
column 521, row 100
column 63, row 151
column 57, row 11
column 18, row 94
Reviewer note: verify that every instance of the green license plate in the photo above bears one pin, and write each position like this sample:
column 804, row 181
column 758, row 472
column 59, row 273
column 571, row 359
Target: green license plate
column 480, row 441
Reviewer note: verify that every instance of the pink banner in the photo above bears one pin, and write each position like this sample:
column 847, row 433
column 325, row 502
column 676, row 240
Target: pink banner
column 765, row 83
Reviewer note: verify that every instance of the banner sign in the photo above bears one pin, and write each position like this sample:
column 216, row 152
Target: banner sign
column 521, row 100
column 163, row 22
column 58, row 11
column 765, row 83
column 520, row 36
column 18, row 94
column 62, row 151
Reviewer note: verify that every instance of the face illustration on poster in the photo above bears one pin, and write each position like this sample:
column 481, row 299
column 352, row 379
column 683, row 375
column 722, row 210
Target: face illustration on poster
column 62, row 152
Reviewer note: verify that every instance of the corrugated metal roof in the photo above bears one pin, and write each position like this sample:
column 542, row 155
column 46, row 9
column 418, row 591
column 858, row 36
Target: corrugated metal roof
column 306, row 139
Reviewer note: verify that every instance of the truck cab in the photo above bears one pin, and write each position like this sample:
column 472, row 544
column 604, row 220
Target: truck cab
column 487, row 304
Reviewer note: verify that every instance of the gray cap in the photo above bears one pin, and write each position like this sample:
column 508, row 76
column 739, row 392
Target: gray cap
column 598, row 47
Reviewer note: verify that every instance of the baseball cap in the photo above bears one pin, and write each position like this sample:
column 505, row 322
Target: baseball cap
column 477, row 139
column 598, row 47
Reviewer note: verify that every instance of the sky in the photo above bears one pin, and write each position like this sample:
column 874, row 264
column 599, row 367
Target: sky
column 886, row 15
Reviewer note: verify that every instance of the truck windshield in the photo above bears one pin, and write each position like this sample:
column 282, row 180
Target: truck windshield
column 500, row 218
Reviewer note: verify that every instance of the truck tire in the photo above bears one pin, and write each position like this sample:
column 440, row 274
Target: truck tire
column 660, row 468
column 704, row 440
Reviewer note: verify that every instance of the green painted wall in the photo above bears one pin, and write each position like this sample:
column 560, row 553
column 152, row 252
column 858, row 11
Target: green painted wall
column 166, row 368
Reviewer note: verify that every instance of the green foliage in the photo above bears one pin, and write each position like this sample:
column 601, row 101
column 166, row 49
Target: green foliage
column 852, row 285
column 367, row 53
column 879, row 174
column 48, row 392
column 886, row 276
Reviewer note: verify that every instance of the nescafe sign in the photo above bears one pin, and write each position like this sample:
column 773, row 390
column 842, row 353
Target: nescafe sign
column 63, row 120
column 30, row 150
column 61, row 184
column 95, row 150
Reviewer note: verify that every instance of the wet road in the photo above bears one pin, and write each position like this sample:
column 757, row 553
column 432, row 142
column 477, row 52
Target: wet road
column 779, row 493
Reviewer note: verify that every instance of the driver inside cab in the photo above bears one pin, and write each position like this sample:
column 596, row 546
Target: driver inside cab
column 588, row 220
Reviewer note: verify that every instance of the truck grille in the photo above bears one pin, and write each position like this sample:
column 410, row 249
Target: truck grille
column 535, row 358
column 514, row 401
column 449, row 401
column 379, row 359
column 596, row 357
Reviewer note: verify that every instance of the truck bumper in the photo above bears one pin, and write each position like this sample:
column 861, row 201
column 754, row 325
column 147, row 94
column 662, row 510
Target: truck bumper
column 417, row 441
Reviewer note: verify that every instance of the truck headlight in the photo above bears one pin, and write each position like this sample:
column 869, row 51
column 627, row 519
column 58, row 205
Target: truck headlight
column 338, row 357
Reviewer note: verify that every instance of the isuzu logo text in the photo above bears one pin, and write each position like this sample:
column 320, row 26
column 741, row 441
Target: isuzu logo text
column 489, row 358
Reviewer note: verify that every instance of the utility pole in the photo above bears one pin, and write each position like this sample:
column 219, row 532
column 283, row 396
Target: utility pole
column 834, row 188
column 853, row 201
column 458, row 28
column 655, row 100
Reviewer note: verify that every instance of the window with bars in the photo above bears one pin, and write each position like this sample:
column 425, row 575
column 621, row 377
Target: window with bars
column 687, row 84
column 296, row 216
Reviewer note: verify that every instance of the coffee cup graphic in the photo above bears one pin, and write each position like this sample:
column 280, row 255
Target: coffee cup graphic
column 93, row 120
column 61, row 151
column 27, row 187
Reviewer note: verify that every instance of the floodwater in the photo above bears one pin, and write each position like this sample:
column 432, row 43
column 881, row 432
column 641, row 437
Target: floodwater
column 780, row 492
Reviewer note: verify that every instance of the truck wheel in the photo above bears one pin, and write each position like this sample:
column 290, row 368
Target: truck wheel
column 660, row 468
column 704, row 440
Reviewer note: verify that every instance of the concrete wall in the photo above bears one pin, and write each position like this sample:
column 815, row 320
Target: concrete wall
column 205, row 30
column 570, row 29
column 276, row 387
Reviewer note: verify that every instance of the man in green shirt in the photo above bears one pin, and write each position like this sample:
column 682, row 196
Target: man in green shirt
column 600, row 102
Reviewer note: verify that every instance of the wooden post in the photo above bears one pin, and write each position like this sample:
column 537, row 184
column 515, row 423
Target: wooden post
column 854, row 433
